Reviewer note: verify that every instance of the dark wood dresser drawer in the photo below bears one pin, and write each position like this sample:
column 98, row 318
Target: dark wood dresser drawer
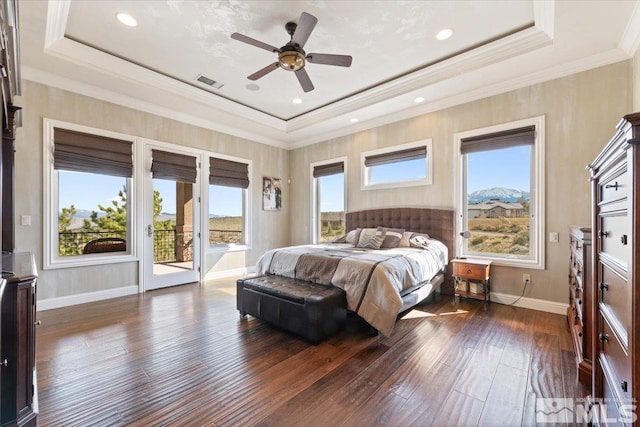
column 615, row 294
column 614, row 238
column 616, row 356
column 614, row 187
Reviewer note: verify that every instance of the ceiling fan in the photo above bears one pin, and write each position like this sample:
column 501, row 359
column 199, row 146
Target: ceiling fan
column 291, row 56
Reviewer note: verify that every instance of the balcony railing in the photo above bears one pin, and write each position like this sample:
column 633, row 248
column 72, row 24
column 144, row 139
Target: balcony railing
column 217, row 237
column 164, row 241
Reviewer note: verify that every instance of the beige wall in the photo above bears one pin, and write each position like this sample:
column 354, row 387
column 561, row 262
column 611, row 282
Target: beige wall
column 40, row 101
column 581, row 112
column 636, row 81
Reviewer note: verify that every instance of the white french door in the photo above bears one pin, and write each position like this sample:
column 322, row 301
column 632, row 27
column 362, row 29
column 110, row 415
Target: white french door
column 171, row 217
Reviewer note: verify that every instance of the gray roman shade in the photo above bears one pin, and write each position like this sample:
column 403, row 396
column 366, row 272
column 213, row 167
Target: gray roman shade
column 396, row 156
column 173, row 166
column 498, row 140
column 326, row 170
column 228, row 173
column 84, row 152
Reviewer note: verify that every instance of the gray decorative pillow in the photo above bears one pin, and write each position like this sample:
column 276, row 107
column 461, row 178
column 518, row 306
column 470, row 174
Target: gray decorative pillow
column 370, row 238
column 353, row 236
column 404, row 240
column 392, row 237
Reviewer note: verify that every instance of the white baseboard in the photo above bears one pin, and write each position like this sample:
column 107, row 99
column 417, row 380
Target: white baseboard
column 532, row 303
column 229, row 273
column 58, row 302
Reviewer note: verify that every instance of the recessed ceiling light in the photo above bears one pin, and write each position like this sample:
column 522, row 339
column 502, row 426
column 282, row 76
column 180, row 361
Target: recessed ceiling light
column 252, row 86
column 444, row 34
column 354, row 120
column 296, row 101
column 418, row 100
column 126, row 19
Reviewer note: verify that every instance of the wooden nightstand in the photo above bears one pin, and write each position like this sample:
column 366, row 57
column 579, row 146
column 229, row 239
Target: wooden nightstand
column 472, row 279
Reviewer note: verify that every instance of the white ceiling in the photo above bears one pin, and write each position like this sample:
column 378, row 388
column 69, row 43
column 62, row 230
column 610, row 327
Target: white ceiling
column 496, row 46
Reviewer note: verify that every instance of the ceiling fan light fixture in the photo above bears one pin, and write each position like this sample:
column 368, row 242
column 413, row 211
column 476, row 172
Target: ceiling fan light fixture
column 291, row 60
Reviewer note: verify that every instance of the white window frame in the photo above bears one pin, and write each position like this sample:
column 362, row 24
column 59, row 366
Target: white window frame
column 366, row 171
column 246, row 208
column 315, row 205
column 51, row 209
column 537, row 259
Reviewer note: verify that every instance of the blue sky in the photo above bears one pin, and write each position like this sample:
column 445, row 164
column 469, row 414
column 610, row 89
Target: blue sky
column 86, row 191
column 510, row 168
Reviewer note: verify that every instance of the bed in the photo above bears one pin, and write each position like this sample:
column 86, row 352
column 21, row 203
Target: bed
column 379, row 284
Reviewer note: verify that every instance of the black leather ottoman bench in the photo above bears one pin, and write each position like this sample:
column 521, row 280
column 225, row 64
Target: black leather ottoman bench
column 307, row 309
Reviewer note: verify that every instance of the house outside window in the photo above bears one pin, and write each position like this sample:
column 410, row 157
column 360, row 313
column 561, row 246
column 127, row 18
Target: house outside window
column 228, row 200
column 501, row 185
column 404, row 165
column 89, row 181
column 328, row 207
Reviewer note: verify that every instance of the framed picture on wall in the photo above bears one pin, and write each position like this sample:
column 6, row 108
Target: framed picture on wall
column 271, row 194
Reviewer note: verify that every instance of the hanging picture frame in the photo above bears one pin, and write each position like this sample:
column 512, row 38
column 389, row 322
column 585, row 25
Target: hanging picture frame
column 271, row 193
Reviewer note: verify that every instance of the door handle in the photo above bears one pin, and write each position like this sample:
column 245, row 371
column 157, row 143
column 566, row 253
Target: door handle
column 149, row 231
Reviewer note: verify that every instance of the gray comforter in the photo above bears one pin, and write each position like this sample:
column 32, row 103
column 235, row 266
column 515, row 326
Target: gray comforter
column 372, row 279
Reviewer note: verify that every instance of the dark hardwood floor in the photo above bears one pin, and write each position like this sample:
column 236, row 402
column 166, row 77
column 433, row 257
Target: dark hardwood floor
column 182, row 356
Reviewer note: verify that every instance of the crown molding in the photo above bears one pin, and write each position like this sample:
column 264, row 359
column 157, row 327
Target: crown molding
column 56, row 44
column 507, row 47
column 57, row 14
column 89, row 57
column 544, row 16
column 49, row 79
column 607, row 58
column 515, row 44
column 630, row 40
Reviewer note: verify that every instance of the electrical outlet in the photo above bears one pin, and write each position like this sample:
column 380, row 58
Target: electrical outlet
column 554, row 237
column 526, row 278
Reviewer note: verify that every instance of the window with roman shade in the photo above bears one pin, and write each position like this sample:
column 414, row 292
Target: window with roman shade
column 83, row 152
column 228, row 201
column 89, row 176
column 173, row 166
column 328, row 186
column 502, row 193
column 403, row 165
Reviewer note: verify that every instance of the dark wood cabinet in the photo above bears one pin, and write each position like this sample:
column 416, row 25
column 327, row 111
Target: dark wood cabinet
column 17, row 383
column 18, row 340
column 580, row 299
column 615, row 313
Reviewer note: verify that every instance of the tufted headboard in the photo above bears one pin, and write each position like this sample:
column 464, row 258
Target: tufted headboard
column 437, row 223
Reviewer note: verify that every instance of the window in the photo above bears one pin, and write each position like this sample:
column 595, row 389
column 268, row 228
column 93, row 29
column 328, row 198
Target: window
column 228, row 184
column 403, row 165
column 328, row 189
column 501, row 193
column 89, row 180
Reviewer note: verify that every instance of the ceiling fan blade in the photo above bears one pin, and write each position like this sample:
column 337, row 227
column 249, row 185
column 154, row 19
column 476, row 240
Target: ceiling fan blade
column 254, row 42
column 306, row 24
column 304, row 80
column 329, row 59
column 263, row 72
